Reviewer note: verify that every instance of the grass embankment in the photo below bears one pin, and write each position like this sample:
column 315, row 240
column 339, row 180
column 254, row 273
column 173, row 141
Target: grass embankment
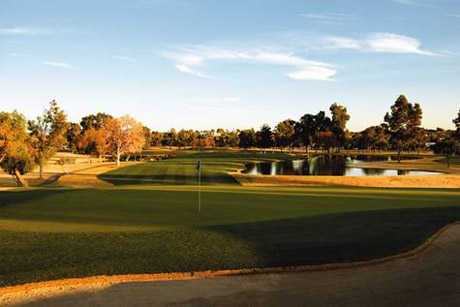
column 60, row 233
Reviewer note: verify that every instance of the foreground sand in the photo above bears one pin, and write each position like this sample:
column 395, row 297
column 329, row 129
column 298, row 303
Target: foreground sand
column 429, row 278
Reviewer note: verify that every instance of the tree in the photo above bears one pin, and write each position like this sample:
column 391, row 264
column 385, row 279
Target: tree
column 16, row 150
column 73, row 134
column 49, row 133
column 447, row 147
column 94, row 141
column 94, row 121
column 340, row 117
column 147, row 137
column 247, row 138
column 284, row 133
column 306, row 130
column 403, row 122
column 265, row 137
column 456, row 121
column 124, row 135
column 156, row 138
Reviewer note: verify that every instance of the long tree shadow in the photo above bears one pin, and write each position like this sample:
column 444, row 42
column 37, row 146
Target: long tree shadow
column 341, row 237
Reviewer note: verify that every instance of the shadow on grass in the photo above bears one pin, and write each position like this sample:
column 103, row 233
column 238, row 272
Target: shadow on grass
column 29, row 257
column 206, row 179
column 12, row 198
column 341, row 237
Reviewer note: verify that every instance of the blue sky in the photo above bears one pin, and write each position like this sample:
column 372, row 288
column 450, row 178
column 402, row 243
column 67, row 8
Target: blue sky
column 231, row 64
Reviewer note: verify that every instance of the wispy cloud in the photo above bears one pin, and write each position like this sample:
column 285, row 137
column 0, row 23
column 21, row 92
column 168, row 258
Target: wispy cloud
column 380, row 42
column 124, row 58
column 327, row 17
column 59, row 64
column 186, row 69
column 188, row 58
column 23, row 31
column 420, row 3
column 454, row 15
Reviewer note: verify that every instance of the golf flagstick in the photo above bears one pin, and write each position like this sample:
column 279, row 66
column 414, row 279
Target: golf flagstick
column 198, row 167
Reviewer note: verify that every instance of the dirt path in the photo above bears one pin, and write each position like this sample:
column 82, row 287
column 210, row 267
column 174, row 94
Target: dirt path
column 431, row 278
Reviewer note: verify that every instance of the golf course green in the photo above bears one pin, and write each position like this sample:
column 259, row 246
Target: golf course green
column 149, row 222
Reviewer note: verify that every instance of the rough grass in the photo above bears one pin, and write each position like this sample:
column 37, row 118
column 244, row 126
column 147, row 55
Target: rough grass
column 60, row 233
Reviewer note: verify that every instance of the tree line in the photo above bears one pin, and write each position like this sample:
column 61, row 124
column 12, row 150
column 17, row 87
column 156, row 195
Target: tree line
column 26, row 144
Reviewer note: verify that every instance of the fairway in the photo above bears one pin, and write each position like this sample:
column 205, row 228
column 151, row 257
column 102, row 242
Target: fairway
column 182, row 169
column 60, row 233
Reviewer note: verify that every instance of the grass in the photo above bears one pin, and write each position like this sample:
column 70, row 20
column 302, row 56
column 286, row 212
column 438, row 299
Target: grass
column 60, row 233
column 182, row 170
column 149, row 222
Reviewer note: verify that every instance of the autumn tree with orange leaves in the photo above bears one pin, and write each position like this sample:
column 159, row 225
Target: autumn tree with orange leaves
column 125, row 135
column 94, row 141
column 16, row 150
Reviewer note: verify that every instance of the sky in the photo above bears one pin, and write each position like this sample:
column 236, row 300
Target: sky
column 206, row 64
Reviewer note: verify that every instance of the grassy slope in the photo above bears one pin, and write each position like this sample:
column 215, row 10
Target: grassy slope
column 50, row 234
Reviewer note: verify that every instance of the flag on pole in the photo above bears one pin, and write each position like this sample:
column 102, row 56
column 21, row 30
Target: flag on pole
column 198, row 168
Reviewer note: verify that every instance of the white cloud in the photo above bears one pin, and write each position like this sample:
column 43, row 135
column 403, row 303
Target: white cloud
column 313, row 73
column 124, row 58
column 327, row 17
column 22, row 31
column 394, row 43
column 379, row 42
column 59, row 64
column 186, row 69
column 343, row 43
column 187, row 59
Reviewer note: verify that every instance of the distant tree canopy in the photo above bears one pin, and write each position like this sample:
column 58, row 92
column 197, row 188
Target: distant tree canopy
column 24, row 145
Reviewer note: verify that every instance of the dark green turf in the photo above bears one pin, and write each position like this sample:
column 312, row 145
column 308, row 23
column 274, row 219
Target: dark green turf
column 50, row 234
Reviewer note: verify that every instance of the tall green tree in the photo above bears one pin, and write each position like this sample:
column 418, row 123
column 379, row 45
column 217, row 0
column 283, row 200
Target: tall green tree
column 403, row 121
column 340, row 117
column 72, row 135
column 95, row 121
column 456, row 121
column 247, row 138
column 16, row 150
column 265, row 137
column 306, row 130
column 49, row 133
column 285, row 133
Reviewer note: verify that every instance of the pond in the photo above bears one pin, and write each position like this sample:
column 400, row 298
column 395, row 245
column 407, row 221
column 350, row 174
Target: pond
column 325, row 165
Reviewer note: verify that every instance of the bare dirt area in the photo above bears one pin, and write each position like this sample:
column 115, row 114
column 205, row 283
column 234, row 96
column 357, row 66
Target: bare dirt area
column 428, row 181
column 67, row 170
column 428, row 278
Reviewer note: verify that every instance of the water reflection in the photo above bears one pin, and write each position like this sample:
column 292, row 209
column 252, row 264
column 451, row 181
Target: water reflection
column 326, row 165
